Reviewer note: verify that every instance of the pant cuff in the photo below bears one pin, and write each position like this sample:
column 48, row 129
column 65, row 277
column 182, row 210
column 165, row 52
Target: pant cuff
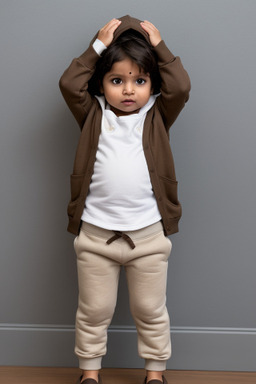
column 155, row 365
column 90, row 364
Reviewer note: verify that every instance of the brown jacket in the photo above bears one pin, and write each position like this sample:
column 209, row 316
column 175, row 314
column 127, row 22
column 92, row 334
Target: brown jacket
column 87, row 111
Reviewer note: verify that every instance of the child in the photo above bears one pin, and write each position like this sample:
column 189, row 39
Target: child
column 125, row 92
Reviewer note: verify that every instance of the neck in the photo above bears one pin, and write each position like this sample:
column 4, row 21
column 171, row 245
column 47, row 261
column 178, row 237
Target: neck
column 118, row 113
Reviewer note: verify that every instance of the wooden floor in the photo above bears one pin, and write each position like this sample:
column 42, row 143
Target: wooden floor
column 27, row 375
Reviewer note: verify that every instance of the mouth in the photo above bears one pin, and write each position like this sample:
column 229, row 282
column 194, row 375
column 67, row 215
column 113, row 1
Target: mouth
column 128, row 102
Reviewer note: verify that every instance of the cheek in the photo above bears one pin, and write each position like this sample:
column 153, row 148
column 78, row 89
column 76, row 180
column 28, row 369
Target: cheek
column 147, row 93
column 113, row 92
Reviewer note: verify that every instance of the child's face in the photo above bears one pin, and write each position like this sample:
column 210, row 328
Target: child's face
column 126, row 88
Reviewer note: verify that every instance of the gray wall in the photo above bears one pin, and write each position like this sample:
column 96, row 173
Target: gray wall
column 211, row 289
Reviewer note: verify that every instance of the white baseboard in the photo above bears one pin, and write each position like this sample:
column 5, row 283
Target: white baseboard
column 194, row 348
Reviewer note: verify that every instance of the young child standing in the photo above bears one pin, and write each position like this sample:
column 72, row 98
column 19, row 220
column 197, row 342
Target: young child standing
column 125, row 92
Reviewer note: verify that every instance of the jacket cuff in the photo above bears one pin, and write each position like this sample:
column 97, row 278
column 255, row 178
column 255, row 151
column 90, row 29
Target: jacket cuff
column 99, row 47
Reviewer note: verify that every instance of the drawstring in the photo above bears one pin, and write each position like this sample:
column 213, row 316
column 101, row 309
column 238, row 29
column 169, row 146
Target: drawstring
column 118, row 235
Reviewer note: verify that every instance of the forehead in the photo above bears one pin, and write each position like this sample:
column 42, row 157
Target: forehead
column 126, row 67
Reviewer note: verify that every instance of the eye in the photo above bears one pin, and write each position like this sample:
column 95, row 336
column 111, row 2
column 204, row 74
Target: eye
column 116, row 81
column 140, row 81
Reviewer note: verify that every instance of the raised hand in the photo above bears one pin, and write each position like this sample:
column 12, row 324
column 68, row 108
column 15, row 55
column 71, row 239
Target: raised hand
column 152, row 31
column 106, row 33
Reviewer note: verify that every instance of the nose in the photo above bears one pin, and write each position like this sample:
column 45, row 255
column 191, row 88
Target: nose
column 128, row 89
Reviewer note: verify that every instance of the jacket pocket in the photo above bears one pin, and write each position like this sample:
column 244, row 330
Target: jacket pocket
column 169, row 189
column 76, row 182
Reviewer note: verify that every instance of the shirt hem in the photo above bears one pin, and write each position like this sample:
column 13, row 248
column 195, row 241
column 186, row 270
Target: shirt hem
column 117, row 227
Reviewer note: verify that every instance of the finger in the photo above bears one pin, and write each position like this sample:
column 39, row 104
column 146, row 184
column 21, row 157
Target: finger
column 149, row 25
column 114, row 25
column 147, row 29
column 111, row 24
column 153, row 32
column 106, row 33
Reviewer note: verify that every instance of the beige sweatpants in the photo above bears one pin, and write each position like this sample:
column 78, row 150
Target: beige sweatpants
column 99, row 266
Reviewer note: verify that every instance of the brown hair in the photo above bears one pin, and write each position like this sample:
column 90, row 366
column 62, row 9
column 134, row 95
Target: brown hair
column 129, row 44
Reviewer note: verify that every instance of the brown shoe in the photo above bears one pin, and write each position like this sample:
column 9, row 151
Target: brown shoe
column 89, row 381
column 156, row 381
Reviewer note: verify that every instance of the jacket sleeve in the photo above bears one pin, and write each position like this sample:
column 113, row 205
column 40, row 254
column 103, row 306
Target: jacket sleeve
column 74, row 84
column 175, row 85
